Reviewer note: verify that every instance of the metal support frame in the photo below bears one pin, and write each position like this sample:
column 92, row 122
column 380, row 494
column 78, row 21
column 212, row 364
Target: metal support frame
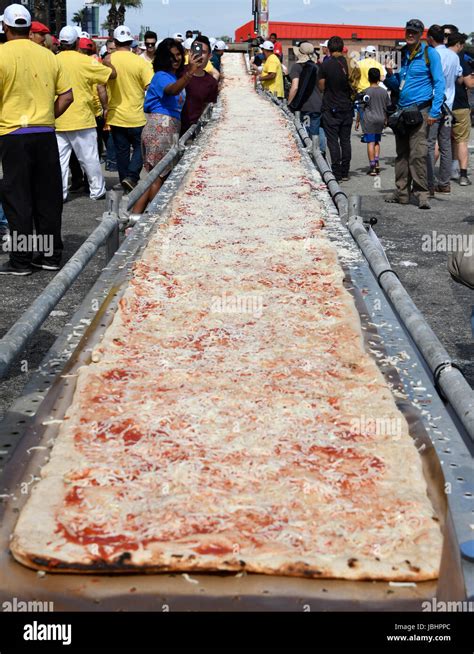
column 13, row 343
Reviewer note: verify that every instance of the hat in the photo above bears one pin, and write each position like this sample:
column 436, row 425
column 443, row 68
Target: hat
column 187, row 44
column 221, row 45
column 371, row 49
column 17, row 16
column 267, row 45
column 324, row 45
column 84, row 35
column 55, row 40
column 142, row 45
column 68, row 35
column 122, row 34
column 178, row 37
column 415, row 25
column 212, row 41
column 39, row 28
column 86, row 44
column 304, row 52
column 135, row 44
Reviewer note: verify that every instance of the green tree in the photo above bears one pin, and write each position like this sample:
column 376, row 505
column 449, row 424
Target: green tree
column 79, row 17
column 117, row 10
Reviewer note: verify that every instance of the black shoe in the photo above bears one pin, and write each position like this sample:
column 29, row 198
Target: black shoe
column 7, row 269
column 128, row 184
column 44, row 264
column 76, row 190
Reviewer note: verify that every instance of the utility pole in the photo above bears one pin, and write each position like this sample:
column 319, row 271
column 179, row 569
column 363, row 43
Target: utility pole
column 261, row 15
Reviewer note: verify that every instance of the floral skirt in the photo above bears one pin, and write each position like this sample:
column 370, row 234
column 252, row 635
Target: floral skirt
column 158, row 137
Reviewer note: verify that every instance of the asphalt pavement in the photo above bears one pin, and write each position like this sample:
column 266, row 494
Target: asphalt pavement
column 403, row 230
column 413, row 241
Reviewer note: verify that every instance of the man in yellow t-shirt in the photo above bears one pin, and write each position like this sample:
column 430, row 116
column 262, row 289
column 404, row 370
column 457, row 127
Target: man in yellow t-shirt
column 365, row 65
column 33, row 92
column 126, row 116
column 76, row 128
column 272, row 73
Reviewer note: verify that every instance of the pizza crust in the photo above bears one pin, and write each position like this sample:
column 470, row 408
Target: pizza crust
column 230, row 418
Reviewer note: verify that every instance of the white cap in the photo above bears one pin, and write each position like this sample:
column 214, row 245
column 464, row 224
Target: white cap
column 267, row 45
column 84, row 35
column 17, row 16
column 187, row 44
column 1, row 25
column 68, row 35
column 324, row 45
column 221, row 45
column 122, row 34
column 372, row 49
column 212, row 41
column 178, row 36
column 142, row 45
column 78, row 31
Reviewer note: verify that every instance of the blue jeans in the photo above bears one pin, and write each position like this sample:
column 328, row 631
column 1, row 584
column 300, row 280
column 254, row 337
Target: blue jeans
column 3, row 218
column 312, row 121
column 110, row 154
column 128, row 139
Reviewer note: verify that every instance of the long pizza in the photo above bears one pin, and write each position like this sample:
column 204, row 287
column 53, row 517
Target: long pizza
column 230, row 419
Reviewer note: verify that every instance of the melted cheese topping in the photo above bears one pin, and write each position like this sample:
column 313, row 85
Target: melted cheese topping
column 233, row 413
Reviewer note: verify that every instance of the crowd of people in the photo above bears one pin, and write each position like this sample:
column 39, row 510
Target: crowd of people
column 422, row 96
column 68, row 107
column 65, row 105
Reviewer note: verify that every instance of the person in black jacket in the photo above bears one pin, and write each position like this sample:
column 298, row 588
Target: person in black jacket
column 311, row 107
column 337, row 108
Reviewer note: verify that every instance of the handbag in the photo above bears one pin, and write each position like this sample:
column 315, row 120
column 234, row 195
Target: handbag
column 412, row 116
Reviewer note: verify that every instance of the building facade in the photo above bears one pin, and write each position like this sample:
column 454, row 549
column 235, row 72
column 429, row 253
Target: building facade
column 52, row 13
column 356, row 37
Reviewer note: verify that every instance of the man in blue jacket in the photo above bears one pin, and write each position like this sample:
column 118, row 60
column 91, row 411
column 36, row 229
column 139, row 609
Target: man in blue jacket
column 420, row 82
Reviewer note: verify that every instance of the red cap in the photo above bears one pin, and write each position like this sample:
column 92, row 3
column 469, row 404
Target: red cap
column 86, row 44
column 39, row 28
column 56, row 40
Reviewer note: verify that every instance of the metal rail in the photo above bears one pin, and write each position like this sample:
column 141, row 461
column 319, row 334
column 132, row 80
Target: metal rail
column 448, row 379
column 13, row 343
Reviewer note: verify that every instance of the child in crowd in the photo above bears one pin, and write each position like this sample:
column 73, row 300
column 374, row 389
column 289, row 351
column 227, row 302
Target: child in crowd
column 374, row 118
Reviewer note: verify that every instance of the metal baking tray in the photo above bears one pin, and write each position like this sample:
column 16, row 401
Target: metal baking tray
column 48, row 395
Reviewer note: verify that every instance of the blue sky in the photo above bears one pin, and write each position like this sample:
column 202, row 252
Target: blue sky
column 217, row 18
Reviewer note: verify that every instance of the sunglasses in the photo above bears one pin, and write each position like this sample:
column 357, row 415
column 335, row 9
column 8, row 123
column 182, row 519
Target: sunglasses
column 150, row 44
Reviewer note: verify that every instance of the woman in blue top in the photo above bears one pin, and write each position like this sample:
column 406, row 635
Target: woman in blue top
column 163, row 104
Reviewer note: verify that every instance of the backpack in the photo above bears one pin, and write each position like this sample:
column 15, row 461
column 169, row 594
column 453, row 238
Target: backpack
column 308, row 79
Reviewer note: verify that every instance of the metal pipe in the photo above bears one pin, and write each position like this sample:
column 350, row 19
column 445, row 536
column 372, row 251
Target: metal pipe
column 143, row 186
column 14, row 341
column 448, row 378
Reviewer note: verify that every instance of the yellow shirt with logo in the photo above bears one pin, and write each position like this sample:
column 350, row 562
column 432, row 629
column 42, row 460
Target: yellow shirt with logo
column 275, row 86
column 209, row 67
column 85, row 73
column 30, row 79
column 364, row 66
column 127, row 92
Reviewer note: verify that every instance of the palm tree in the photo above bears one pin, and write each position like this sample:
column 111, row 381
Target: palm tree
column 78, row 17
column 40, row 11
column 117, row 10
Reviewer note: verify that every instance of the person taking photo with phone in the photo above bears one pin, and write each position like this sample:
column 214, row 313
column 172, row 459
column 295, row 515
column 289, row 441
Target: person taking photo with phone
column 164, row 103
column 202, row 89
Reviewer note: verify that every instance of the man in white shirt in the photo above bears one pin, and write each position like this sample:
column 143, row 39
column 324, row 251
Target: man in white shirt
column 440, row 131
